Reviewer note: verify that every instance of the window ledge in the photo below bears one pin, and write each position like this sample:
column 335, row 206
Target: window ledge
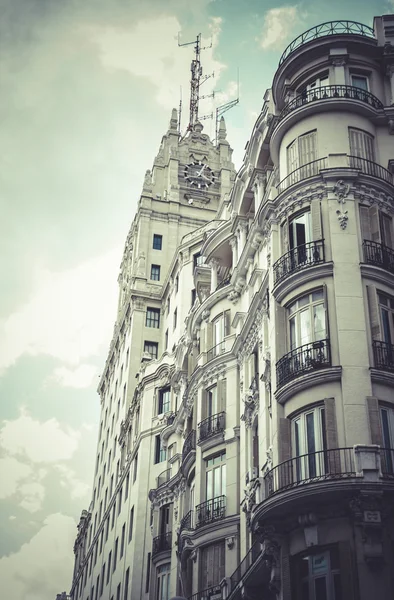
column 211, row 441
column 381, row 376
column 305, row 275
column 378, row 274
column 306, row 381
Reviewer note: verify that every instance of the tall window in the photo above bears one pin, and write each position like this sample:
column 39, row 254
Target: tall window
column 166, row 340
column 126, row 585
column 215, row 476
column 155, row 272
column 300, row 234
column 160, row 452
column 163, row 582
column 175, row 318
column 318, row 576
column 135, row 467
column 198, row 260
column 109, row 566
column 212, row 565
column 157, row 241
column 153, row 317
column 122, row 540
column 221, row 327
column 386, row 309
column 309, row 438
column 302, row 151
column 118, row 592
column 361, row 145
column 359, row 81
column 307, row 320
column 115, row 554
column 376, row 226
column 151, row 348
column 212, row 401
column 318, row 83
column 131, row 523
column 164, row 400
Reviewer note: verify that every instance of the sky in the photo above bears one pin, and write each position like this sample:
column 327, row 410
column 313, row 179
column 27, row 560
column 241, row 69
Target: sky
column 86, row 92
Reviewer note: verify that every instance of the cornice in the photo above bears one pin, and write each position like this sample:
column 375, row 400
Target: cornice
column 377, row 274
column 307, row 380
column 298, row 278
column 380, row 376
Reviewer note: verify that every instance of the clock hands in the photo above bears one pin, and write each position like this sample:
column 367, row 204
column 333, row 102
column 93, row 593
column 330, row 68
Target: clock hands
column 200, row 173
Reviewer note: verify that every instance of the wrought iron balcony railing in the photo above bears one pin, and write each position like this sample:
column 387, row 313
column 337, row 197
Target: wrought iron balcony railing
column 379, row 255
column 216, row 350
column 207, row 594
column 163, row 478
column 187, row 522
column 245, row 565
column 327, row 29
column 189, row 444
column 327, row 92
column 337, row 463
column 161, row 543
column 304, row 172
column 306, row 255
column 212, row 425
column 383, row 355
column 309, row 357
column 371, row 168
column 210, row 510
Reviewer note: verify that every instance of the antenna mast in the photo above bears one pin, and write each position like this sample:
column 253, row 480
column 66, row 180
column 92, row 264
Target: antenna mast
column 197, row 79
column 220, row 110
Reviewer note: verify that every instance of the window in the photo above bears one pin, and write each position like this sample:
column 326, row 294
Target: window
column 157, row 241
column 215, row 476
column 308, row 440
column 198, row 260
column 212, row 565
column 376, row 226
column 153, row 317
column 147, row 581
column 163, row 582
column 166, row 340
column 359, row 81
column 126, row 584
column 118, row 592
column 115, row 554
column 317, row 576
column 109, row 566
column 361, row 145
column 113, row 516
column 120, row 501
column 160, row 452
column 175, row 319
column 106, row 528
column 126, row 493
column 307, row 320
column 151, row 348
column 386, row 310
column 135, row 467
column 164, row 401
column 221, row 328
column 212, row 401
column 155, row 272
column 176, row 284
column 122, row 540
column 131, row 523
column 300, row 152
column 102, row 579
column 318, row 83
column 97, row 585
column 194, row 295
column 101, row 540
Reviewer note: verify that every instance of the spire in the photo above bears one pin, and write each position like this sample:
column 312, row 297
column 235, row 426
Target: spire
column 222, row 135
column 174, row 120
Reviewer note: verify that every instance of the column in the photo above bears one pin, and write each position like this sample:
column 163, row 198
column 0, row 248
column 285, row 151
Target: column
column 234, row 247
column 242, row 236
column 214, row 274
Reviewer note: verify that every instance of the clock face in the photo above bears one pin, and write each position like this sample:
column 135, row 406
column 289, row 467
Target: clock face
column 199, row 175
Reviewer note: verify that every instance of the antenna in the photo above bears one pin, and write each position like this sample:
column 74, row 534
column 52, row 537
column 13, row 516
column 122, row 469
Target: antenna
column 220, row 110
column 197, row 79
column 180, row 111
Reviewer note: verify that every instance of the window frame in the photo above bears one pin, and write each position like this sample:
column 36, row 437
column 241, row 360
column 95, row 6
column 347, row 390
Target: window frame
column 296, row 315
column 151, row 345
column 155, row 272
column 157, row 242
column 164, row 400
column 163, row 574
column 152, row 318
column 211, row 465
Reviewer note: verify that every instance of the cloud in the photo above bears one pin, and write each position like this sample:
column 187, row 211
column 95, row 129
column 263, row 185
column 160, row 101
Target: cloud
column 33, row 495
column 43, row 566
column 77, row 488
column 61, row 318
column 278, row 26
column 82, row 376
column 39, row 442
column 12, row 472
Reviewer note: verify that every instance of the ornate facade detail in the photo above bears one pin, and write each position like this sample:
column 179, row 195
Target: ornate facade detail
column 251, row 401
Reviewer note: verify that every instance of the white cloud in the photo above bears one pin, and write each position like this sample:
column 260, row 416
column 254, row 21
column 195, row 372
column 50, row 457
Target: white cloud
column 61, row 319
column 12, row 473
column 77, row 488
column 12, row 518
column 43, row 566
column 278, row 26
column 33, row 495
column 40, row 442
column 82, row 376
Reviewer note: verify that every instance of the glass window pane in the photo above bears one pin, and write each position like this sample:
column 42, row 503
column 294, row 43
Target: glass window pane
column 209, row 485
column 321, row 588
column 293, row 334
column 217, row 488
column 223, row 491
column 310, row 433
column 386, row 326
column 305, row 327
column 319, row 322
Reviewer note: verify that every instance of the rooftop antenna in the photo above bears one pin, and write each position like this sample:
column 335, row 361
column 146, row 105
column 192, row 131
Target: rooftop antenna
column 220, row 110
column 180, row 111
column 196, row 80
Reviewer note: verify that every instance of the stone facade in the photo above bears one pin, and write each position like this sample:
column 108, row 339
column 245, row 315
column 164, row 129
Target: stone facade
column 247, row 424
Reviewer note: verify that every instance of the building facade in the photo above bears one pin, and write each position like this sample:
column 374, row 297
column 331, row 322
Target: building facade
column 247, row 402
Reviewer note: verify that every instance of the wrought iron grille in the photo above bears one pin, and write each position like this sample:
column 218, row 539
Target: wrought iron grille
column 304, row 172
column 383, row 355
column 161, row 543
column 379, row 255
column 210, row 426
column 309, row 357
column 325, row 29
column 211, row 510
column 331, row 91
column 245, row 565
column 187, row 521
column 371, row 168
column 163, row 477
column 189, row 444
column 336, row 463
column 306, row 255
column 214, row 591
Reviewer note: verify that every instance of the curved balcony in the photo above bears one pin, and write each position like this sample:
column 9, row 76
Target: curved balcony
column 331, row 92
column 328, row 28
column 213, row 592
column 189, row 444
column 211, row 426
column 301, row 257
column 379, row 255
column 383, row 356
column 161, row 543
column 311, row 169
column 211, row 510
column 309, row 357
column 187, row 522
column 163, row 478
column 368, row 167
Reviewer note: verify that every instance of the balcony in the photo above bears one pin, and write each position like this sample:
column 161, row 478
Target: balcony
column 211, row 510
column 368, row 167
column 311, row 169
column 331, row 92
column 213, row 593
column 306, row 358
column 329, row 28
column 211, row 426
column 379, row 255
column 163, row 478
column 161, row 543
column 301, row 257
column 187, row 522
column 310, row 468
column 383, row 355
column 216, row 350
column 189, row 444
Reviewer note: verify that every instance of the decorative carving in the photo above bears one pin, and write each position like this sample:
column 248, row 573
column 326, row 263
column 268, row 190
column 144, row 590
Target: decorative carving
column 141, row 265
column 230, row 542
column 148, row 179
column 341, row 190
column 342, row 218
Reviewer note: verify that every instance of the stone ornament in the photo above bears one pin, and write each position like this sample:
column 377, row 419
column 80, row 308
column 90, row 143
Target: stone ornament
column 341, row 190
